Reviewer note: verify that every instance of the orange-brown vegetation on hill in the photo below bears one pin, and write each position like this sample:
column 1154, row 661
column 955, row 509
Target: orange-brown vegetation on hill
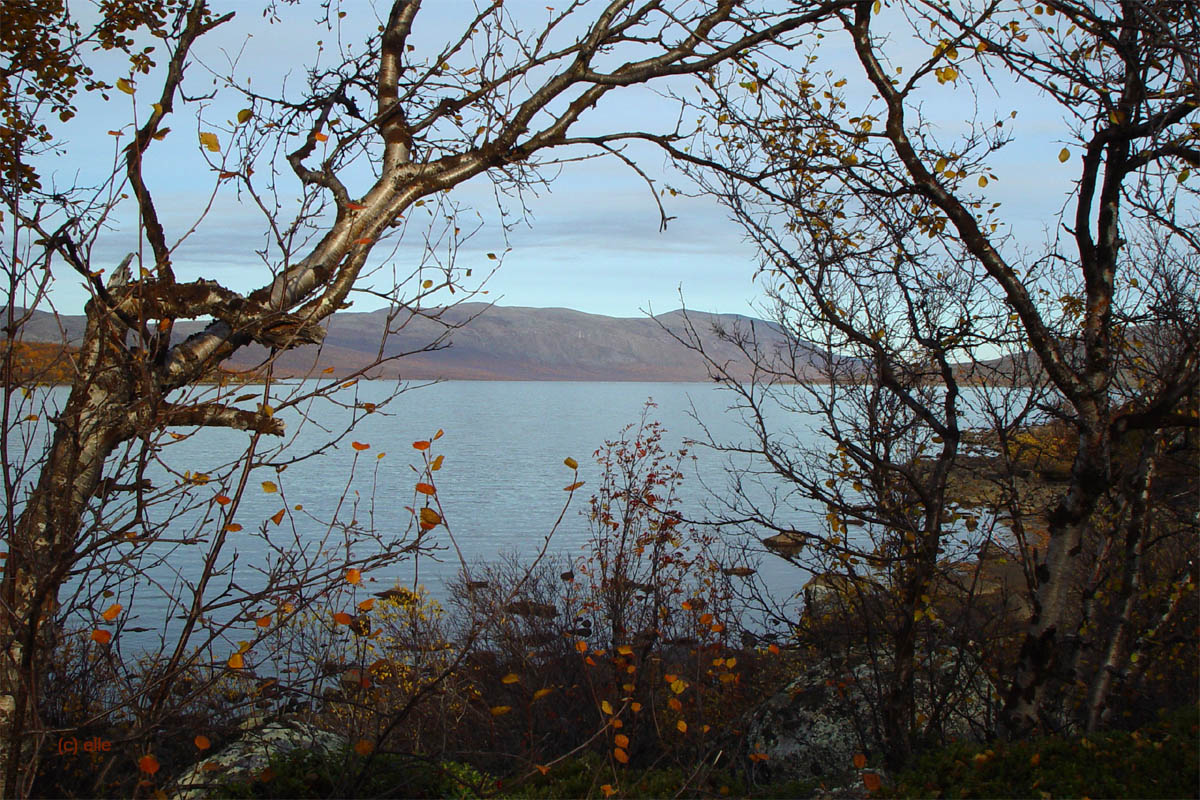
column 37, row 362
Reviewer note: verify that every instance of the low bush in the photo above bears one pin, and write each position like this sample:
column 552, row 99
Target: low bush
column 1156, row 761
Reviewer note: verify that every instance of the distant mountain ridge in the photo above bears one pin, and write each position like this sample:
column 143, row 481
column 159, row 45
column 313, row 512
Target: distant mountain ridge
column 497, row 343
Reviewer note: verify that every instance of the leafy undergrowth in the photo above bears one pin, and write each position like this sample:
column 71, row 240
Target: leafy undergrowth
column 1156, row 761
column 311, row 774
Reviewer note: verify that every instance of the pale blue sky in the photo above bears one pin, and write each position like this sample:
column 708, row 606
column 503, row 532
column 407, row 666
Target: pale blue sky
column 594, row 243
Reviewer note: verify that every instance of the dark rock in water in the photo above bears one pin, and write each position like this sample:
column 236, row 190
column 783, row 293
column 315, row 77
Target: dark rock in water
column 786, row 544
column 528, row 608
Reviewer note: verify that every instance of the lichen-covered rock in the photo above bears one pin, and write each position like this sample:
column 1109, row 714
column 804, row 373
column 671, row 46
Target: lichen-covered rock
column 246, row 758
column 812, row 729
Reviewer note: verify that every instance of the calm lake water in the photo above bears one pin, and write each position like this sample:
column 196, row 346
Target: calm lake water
column 500, row 485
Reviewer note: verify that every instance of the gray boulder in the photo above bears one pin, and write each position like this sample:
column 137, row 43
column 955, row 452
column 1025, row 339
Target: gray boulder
column 246, row 758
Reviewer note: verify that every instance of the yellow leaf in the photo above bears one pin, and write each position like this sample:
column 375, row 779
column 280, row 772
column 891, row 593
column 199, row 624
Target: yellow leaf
column 244, row 115
column 678, row 685
column 983, row 181
column 426, row 284
column 430, row 517
column 681, row 726
column 235, row 661
column 157, row 107
column 1064, row 154
column 499, row 711
column 540, row 693
column 125, row 86
column 209, row 141
column 940, row 166
column 437, row 464
column 511, row 677
column 269, row 487
column 606, row 707
column 571, row 463
column 625, row 650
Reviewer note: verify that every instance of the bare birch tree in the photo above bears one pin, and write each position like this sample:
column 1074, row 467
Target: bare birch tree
column 880, row 245
column 400, row 120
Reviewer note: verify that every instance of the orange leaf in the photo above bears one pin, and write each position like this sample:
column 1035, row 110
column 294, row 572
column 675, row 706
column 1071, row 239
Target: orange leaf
column 101, row 636
column 860, row 760
column 202, row 742
column 364, row 240
column 773, row 649
column 670, row 677
column 148, row 764
column 621, row 740
column 430, row 517
column 499, row 711
column 581, row 646
column 277, row 517
column 573, row 486
column 871, row 781
column 440, row 433
column 425, row 488
column 267, row 775
column 222, row 500
column 342, row 618
column 674, row 704
column 233, row 527
column 111, row 612
column 706, row 619
column 269, row 487
column 235, row 661
column 355, row 206
column 321, row 137
column 616, row 723
column 353, row 576
column 327, row 371
column 636, row 707
column 348, row 384
column 421, row 445
column 263, row 622
column 363, row 747
column 620, row 755
column 511, row 677
column 540, row 693
column 681, row 726
column 608, row 790
column 367, row 605
column 437, row 463
column 541, row 768
column 359, row 445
